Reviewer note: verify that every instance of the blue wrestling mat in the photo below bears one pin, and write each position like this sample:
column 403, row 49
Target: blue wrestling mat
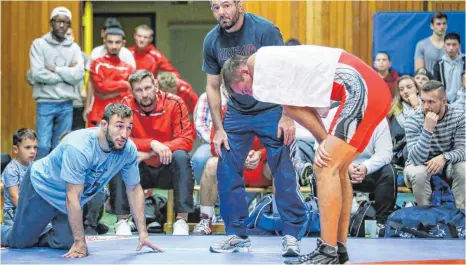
column 265, row 250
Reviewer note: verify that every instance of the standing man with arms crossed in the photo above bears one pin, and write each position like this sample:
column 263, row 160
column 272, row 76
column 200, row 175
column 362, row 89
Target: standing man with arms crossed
column 314, row 76
column 244, row 33
column 76, row 170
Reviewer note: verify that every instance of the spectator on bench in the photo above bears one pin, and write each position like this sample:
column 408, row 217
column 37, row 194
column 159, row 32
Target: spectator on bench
column 435, row 135
column 382, row 65
column 405, row 103
column 256, row 174
column 163, row 136
column 170, row 83
column 25, row 150
column 372, row 171
column 421, row 77
column 430, row 50
column 203, row 125
column 450, row 67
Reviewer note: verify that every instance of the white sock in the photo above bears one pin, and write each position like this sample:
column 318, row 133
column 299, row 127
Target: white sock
column 209, row 210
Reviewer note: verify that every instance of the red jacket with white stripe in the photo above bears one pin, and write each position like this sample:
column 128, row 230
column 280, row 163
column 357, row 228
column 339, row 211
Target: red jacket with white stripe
column 109, row 75
column 187, row 94
column 153, row 60
column 168, row 123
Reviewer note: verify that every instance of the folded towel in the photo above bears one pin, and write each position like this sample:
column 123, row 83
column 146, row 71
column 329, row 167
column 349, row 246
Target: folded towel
column 295, row 75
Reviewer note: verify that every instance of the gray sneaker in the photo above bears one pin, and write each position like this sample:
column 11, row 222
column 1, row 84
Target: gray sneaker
column 232, row 243
column 290, row 246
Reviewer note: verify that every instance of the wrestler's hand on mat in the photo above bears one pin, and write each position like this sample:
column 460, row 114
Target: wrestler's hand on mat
column 430, row 121
column 435, row 164
column 162, row 151
column 144, row 241
column 253, row 159
column 78, row 250
column 322, row 157
column 287, row 127
column 219, row 139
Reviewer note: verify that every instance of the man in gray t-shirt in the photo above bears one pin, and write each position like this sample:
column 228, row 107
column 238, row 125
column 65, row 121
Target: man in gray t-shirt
column 430, row 50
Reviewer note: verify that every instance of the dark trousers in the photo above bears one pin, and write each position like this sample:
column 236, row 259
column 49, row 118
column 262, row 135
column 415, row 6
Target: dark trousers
column 177, row 176
column 241, row 130
column 383, row 184
column 78, row 122
column 93, row 210
column 33, row 214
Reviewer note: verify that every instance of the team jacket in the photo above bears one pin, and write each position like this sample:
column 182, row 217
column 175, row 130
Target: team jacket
column 187, row 94
column 168, row 123
column 152, row 60
column 109, row 74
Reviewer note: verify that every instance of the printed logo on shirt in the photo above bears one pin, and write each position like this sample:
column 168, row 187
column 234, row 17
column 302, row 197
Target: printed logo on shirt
column 245, row 50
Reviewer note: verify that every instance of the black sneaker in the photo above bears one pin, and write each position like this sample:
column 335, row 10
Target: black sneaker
column 342, row 253
column 90, row 231
column 324, row 254
column 102, row 228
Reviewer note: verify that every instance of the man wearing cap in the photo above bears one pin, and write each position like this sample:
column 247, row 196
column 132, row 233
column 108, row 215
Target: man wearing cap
column 56, row 68
column 100, row 51
column 109, row 76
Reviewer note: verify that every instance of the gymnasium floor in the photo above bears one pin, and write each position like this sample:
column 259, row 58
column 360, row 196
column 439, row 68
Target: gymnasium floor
column 266, row 250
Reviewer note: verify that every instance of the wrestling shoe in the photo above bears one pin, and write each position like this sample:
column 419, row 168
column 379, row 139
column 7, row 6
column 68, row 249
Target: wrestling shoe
column 324, row 254
column 343, row 257
column 232, row 243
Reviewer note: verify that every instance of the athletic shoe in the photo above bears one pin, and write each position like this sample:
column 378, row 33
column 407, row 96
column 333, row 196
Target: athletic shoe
column 122, row 228
column 203, row 227
column 180, row 228
column 102, row 228
column 343, row 257
column 290, row 246
column 232, row 243
column 324, row 254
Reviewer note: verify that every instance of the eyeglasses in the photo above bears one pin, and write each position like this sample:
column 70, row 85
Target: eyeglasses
column 58, row 22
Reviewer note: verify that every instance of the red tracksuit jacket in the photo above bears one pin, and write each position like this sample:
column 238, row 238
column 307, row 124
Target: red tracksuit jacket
column 109, row 74
column 152, row 60
column 187, row 94
column 168, row 123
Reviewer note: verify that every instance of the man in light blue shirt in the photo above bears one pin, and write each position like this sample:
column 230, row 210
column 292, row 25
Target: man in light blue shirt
column 62, row 182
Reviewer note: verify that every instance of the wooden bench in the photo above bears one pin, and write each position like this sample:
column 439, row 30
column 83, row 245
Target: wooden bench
column 219, row 228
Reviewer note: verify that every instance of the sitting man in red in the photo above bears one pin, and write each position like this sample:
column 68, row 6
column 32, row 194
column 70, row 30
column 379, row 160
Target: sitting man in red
column 162, row 133
column 146, row 55
column 109, row 75
column 256, row 174
column 170, row 83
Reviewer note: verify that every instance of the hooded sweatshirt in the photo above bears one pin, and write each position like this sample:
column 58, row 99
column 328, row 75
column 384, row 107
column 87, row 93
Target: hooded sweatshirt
column 449, row 72
column 58, row 86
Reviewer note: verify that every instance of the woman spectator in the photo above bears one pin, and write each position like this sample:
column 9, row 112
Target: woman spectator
column 405, row 102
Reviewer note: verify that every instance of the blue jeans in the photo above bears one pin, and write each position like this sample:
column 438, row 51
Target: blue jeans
column 241, row 129
column 199, row 160
column 33, row 214
column 52, row 119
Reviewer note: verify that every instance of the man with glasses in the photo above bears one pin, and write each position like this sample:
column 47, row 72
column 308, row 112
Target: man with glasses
column 239, row 33
column 56, row 68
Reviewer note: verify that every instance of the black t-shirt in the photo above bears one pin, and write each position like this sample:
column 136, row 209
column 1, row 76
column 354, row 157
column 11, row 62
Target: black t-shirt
column 219, row 45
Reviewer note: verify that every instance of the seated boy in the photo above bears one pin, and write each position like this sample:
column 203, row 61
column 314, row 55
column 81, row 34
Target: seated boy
column 25, row 150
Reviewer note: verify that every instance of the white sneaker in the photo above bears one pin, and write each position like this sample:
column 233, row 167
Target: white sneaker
column 180, row 228
column 122, row 228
